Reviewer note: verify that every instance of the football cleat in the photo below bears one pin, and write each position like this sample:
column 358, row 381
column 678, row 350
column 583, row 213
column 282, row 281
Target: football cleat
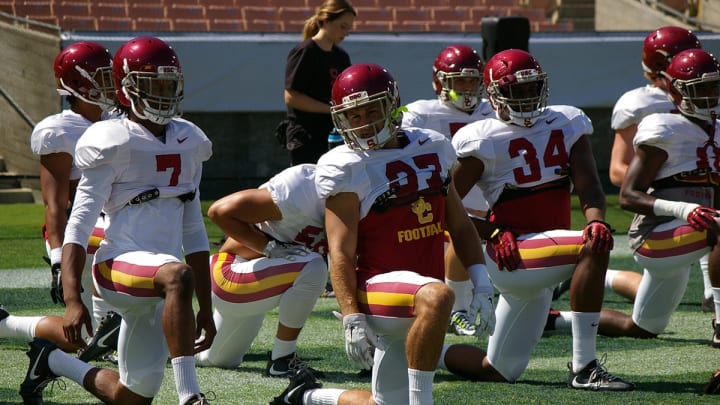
column 328, row 292
column 39, row 374
column 594, row 377
column 3, row 313
column 715, row 341
column 561, row 289
column 287, row 366
column 300, row 382
column 105, row 339
column 713, row 385
column 460, row 324
column 553, row 314
column 197, row 399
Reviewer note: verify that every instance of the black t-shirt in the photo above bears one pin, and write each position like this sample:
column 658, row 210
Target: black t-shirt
column 312, row 71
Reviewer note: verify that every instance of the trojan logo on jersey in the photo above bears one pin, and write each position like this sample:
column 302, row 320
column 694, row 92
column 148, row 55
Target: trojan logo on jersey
column 423, row 210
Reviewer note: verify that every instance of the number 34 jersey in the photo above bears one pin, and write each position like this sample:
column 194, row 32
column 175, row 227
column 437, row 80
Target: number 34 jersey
column 520, row 161
column 402, row 201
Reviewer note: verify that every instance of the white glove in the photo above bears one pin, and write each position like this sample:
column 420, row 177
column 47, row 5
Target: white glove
column 482, row 313
column 360, row 341
column 281, row 250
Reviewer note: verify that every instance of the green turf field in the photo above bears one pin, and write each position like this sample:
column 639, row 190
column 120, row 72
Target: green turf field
column 668, row 370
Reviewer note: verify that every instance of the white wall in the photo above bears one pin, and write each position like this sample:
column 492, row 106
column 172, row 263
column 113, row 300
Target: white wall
column 246, row 72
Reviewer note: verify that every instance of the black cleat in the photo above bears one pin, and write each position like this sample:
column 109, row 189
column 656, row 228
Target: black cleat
column 105, row 339
column 713, row 385
column 302, row 381
column 594, row 377
column 3, row 313
column 287, row 366
column 553, row 315
column 39, row 374
column 561, row 289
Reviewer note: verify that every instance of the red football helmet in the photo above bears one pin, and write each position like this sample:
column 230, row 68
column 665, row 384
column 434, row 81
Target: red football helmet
column 693, row 80
column 516, row 86
column 458, row 61
column 664, row 43
column 148, row 78
column 84, row 70
column 365, row 85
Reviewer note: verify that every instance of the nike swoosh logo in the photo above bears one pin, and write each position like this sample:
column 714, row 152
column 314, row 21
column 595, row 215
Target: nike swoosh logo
column 422, row 142
column 101, row 342
column 550, row 121
column 32, row 373
column 594, row 325
column 290, row 393
column 576, row 384
column 182, row 140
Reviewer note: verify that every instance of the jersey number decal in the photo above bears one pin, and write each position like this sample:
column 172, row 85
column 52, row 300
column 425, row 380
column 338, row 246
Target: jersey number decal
column 165, row 162
column 394, row 169
column 554, row 155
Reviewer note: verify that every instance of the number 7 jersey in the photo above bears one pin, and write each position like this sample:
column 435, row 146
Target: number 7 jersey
column 532, row 163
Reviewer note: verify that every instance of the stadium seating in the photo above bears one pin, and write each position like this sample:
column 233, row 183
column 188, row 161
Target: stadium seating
column 278, row 15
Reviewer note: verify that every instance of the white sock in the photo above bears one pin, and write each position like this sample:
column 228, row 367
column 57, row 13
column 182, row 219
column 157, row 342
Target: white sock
column 420, row 383
column 584, row 331
column 19, row 327
column 707, row 286
column 186, row 383
column 63, row 364
column 564, row 321
column 282, row 348
column 609, row 277
column 462, row 290
column 322, row 396
column 441, row 361
column 716, row 298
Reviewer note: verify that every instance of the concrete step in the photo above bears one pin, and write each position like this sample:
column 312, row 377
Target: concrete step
column 9, row 180
column 16, row 196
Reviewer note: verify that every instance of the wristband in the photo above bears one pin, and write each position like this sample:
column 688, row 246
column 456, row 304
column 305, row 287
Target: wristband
column 677, row 209
column 481, row 281
column 55, row 255
column 599, row 221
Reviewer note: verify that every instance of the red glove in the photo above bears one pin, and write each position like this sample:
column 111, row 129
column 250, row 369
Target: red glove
column 507, row 254
column 600, row 234
column 702, row 218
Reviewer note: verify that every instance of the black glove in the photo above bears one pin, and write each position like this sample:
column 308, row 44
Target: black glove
column 56, row 287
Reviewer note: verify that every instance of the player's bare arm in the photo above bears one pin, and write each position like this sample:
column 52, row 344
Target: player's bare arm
column 342, row 215
column 76, row 315
column 468, row 171
column 586, row 180
column 54, row 182
column 640, row 175
column 464, row 235
column 199, row 261
column 622, row 153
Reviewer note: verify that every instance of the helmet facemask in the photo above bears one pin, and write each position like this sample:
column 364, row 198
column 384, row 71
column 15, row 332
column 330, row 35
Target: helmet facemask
column 700, row 97
column 100, row 91
column 155, row 96
column 465, row 100
column 520, row 98
column 358, row 134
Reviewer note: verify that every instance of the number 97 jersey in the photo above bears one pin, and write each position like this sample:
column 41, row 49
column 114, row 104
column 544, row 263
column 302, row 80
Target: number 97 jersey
column 525, row 179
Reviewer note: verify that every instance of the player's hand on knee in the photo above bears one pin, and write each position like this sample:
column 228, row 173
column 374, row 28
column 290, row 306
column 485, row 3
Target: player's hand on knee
column 281, row 250
column 482, row 313
column 599, row 234
column 702, row 218
column 360, row 341
column 507, row 254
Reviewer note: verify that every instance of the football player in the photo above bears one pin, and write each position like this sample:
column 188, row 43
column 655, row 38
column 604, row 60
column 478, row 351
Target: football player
column 526, row 160
column 659, row 47
column 271, row 259
column 670, row 186
column 388, row 202
column 457, row 81
column 143, row 172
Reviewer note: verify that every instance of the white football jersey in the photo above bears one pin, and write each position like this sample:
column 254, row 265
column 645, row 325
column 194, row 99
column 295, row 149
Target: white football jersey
column 365, row 173
column 638, row 103
column 121, row 160
column 680, row 139
column 438, row 116
column 303, row 212
column 520, row 157
column 59, row 133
